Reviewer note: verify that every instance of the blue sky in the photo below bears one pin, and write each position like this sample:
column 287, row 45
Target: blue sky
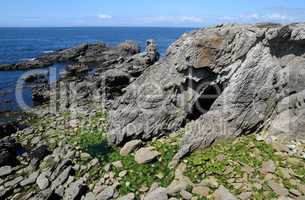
column 184, row 13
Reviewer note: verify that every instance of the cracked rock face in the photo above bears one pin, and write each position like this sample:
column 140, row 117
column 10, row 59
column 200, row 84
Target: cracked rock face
column 220, row 82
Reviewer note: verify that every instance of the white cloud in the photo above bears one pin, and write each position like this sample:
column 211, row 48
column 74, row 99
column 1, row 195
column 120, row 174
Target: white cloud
column 104, row 16
column 179, row 19
column 277, row 16
column 261, row 17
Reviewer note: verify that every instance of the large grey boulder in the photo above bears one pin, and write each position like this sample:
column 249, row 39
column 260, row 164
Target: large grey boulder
column 222, row 82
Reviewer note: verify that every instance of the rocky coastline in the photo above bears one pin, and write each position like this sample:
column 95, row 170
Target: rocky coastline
column 221, row 117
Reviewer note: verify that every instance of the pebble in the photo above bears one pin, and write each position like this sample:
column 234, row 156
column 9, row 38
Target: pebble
column 123, row 173
column 210, row 182
column 118, row 164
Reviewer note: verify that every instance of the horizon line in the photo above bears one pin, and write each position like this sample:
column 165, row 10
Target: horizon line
column 115, row 26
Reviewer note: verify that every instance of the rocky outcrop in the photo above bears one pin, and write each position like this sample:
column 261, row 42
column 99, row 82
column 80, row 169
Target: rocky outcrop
column 82, row 84
column 85, row 53
column 222, row 82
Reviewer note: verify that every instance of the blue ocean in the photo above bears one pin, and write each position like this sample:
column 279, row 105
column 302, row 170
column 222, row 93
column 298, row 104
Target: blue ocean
column 19, row 44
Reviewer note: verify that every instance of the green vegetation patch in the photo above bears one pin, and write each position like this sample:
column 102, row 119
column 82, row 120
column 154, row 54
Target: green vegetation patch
column 233, row 161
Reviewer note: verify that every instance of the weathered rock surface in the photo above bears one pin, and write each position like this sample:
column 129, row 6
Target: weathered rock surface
column 228, row 80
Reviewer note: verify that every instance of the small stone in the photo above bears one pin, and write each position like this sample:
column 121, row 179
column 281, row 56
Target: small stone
column 85, row 156
column 157, row 194
column 6, row 170
column 210, row 182
column 146, row 155
column 201, row 190
column 42, row 182
column 268, row 167
column 130, row 147
column 123, row 173
column 186, row 195
column 291, row 147
column 130, row 196
column 277, row 188
column 160, row 175
column 118, row 164
column 176, row 186
column 223, row 193
column 260, row 138
column 107, row 193
column 94, row 162
column 107, row 167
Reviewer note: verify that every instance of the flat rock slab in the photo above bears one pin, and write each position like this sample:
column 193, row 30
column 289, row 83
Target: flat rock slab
column 146, row 155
